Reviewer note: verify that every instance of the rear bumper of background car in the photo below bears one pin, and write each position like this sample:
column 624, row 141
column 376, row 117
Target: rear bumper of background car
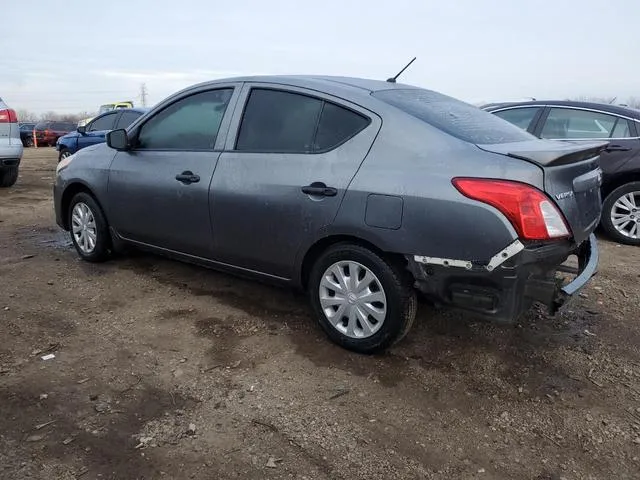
column 528, row 275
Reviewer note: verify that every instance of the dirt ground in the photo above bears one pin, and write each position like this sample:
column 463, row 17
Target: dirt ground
column 166, row 370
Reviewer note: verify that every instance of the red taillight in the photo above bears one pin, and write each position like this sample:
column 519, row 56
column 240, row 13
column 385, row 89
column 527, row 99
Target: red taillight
column 529, row 210
column 8, row 116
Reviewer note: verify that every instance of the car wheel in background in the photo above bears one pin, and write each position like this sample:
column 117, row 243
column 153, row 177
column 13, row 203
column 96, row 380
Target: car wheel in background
column 363, row 302
column 89, row 229
column 64, row 153
column 8, row 176
column 621, row 214
column 28, row 142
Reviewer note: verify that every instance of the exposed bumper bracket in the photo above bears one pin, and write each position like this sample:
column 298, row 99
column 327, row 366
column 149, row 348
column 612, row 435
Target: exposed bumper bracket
column 498, row 259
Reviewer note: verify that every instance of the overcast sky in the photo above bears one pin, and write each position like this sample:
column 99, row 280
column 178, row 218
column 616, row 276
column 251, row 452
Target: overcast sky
column 74, row 55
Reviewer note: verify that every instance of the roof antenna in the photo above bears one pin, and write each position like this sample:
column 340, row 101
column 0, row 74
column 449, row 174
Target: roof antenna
column 612, row 100
column 393, row 79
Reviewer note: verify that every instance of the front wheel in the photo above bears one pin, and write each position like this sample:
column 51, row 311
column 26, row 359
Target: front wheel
column 621, row 214
column 64, row 153
column 8, row 177
column 363, row 302
column 89, row 229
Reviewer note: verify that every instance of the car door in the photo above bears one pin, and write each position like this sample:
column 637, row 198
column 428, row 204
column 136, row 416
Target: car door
column 159, row 189
column 584, row 125
column 97, row 130
column 290, row 155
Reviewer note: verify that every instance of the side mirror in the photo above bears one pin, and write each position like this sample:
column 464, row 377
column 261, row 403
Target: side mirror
column 118, row 139
column 82, row 130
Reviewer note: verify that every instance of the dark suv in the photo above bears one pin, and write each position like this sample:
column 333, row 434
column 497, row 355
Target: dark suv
column 620, row 162
column 48, row 132
column 26, row 134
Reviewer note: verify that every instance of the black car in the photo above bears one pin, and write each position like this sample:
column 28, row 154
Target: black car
column 26, row 134
column 620, row 162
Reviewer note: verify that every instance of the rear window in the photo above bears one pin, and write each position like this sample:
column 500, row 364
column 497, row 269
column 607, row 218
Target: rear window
column 454, row 117
column 42, row 126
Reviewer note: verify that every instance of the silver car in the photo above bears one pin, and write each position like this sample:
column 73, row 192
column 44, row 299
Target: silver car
column 360, row 192
column 10, row 146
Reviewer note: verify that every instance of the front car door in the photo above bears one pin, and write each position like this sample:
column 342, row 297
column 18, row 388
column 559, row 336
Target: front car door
column 290, row 156
column 159, row 189
column 97, row 130
column 584, row 125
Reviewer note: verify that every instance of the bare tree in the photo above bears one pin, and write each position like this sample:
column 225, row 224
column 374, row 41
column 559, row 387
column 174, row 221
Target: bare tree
column 26, row 116
column 634, row 102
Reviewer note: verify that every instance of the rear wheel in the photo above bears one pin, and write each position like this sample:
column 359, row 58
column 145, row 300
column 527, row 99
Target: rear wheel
column 28, row 142
column 89, row 229
column 363, row 302
column 621, row 214
column 8, row 176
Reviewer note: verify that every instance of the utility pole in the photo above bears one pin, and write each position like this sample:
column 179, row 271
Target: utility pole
column 143, row 94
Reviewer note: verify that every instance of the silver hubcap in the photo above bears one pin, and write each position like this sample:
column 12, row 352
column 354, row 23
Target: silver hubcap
column 83, row 226
column 353, row 299
column 625, row 215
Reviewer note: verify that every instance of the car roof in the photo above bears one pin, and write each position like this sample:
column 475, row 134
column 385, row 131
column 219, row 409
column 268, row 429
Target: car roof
column 605, row 107
column 340, row 86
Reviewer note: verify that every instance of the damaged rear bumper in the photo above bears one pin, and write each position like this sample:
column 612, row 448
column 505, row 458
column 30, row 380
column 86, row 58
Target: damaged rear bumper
column 511, row 281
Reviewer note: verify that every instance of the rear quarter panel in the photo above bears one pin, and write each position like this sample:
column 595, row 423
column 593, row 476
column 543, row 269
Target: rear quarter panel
column 415, row 162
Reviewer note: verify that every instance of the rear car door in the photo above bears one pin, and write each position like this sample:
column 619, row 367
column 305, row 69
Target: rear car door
column 290, row 156
column 585, row 126
column 97, row 130
column 159, row 189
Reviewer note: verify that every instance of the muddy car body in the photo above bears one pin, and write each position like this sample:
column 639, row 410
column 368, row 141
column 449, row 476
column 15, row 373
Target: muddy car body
column 358, row 191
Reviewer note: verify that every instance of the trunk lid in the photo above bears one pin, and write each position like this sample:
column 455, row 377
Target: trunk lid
column 572, row 177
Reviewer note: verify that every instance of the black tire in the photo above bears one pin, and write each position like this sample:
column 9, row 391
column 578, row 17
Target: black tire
column 63, row 153
column 607, row 210
column 28, row 142
column 8, row 177
column 401, row 301
column 102, row 249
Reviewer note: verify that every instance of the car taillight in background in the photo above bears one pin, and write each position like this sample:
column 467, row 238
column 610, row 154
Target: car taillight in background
column 8, row 116
column 530, row 211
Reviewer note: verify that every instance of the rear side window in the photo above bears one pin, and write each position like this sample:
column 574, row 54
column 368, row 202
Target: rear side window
column 127, row 119
column 276, row 121
column 337, row 125
column 191, row 123
column 42, row 126
column 287, row 122
column 454, row 117
column 103, row 123
column 567, row 123
column 520, row 117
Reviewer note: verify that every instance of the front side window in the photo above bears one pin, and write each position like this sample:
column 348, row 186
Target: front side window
column 567, row 123
column 191, row 123
column 103, row 123
column 520, row 117
column 126, row 119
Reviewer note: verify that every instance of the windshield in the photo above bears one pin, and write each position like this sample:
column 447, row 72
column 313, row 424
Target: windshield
column 454, row 117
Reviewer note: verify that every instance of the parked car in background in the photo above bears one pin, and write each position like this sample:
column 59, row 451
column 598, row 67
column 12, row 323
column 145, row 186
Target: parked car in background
column 358, row 191
column 10, row 146
column 48, row 132
column 95, row 131
column 26, row 133
column 585, row 122
column 107, row 107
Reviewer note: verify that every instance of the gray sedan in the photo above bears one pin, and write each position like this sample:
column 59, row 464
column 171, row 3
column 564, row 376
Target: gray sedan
column 360, row 192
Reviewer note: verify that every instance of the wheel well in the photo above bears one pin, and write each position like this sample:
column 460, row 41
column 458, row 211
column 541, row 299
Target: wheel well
column 618, row 181
column 322, row 245
column 67, row 195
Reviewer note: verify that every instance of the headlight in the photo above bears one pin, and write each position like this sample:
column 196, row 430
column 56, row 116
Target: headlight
column 64, row 162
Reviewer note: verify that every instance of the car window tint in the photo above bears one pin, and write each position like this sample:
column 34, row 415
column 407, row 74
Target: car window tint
column 42, row 126
column 337, row 124
column 277, row 121
column 622, row 129
column 566, row 123
column 103, row 123
column 191, row 123
column 459, row 119
column 520, row 117
column 127, row 119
